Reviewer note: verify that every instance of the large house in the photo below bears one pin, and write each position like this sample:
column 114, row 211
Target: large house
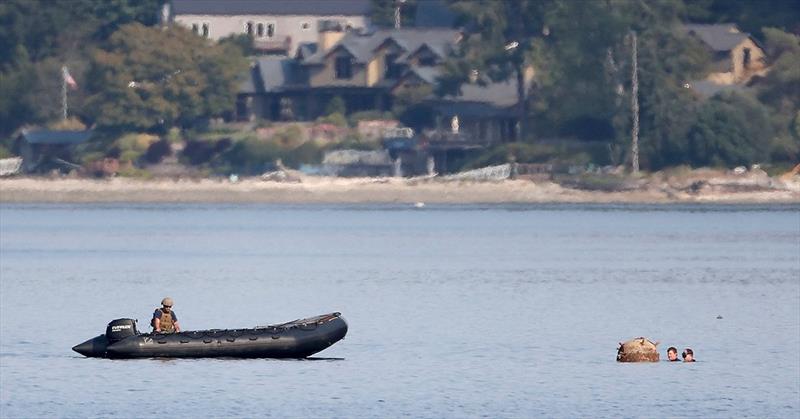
column 367, row 69
column 277, row 26
column 736, row 57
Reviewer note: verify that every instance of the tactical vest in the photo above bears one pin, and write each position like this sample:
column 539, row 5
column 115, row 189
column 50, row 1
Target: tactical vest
column 167, row 325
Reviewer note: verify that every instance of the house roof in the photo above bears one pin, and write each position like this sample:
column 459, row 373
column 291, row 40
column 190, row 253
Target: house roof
column 45, row 136
column 500, row 95
column 272, row 7
column 271, row 74
column 720, row 37
column 306, row 49
column 427, row 74
column 362, row 46
column 707, row 89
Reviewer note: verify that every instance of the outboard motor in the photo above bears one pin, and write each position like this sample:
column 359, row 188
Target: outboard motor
column 115, row 331
column 120, row 329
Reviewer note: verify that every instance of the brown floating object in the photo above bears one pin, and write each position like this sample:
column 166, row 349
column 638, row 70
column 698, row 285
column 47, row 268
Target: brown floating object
column 638, row 350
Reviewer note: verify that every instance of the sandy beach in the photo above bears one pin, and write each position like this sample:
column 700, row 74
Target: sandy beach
column 383, row 190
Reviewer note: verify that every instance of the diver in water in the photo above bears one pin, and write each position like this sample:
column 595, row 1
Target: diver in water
column 688, row 355
column 164, row 319
column 672, row 354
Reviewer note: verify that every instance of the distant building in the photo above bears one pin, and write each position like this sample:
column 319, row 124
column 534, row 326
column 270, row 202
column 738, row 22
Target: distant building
column 277, row 26
column 358, row 67
column 736, row 57
column 44, row 150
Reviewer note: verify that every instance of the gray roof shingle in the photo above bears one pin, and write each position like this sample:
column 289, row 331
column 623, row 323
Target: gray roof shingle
column 45, row 136
column 272, row 7
column 362, row 46
column 272, row 74
column 707, row 89
column 720, row 37
column 499, row 94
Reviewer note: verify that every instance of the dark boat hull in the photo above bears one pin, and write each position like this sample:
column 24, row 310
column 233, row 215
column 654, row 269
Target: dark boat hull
column 297, row 339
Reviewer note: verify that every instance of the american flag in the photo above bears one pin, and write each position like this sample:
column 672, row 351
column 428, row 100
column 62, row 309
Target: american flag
column 68, row 78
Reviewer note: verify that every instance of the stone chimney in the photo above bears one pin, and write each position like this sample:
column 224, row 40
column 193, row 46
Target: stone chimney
column 330, row 32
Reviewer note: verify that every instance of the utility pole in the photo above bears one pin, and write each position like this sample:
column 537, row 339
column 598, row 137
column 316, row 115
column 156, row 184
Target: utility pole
column 635, row 104
column 397, row 20
column 64, row 91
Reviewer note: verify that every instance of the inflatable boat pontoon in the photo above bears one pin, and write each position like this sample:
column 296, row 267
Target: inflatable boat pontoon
column 295, row 339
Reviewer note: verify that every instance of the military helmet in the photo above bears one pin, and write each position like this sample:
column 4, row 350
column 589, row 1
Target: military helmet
column 167, row 301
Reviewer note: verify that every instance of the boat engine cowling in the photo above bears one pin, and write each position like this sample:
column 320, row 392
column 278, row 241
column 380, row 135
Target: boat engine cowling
column 120, row 329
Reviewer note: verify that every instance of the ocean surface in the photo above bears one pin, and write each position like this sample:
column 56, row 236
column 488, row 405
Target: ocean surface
column 454, row 311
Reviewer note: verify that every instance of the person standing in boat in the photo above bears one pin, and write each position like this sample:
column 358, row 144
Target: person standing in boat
column 164, row 319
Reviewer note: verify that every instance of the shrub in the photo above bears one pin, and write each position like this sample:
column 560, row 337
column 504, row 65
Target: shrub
column 369, row 116
column 335, row 118
column 336, row 105
column 134, row 172
column 157, row 151
column 92, row 157
column 198, row 152
column 354, row 141
column 130, row 147
column 308, row 152
column 730, row 130
column 290, row 137
column 252, row 156
column 130, row 156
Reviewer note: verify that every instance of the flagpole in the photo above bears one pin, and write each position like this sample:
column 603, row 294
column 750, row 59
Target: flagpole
column 635, row 104
column 64, row 90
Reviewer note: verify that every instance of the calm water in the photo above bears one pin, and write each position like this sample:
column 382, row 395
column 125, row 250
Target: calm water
column 453, row 311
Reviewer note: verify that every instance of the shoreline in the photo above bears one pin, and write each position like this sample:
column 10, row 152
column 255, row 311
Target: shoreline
column 326, row 190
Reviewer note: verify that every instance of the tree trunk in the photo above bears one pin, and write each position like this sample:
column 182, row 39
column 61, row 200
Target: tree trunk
column 522, row 104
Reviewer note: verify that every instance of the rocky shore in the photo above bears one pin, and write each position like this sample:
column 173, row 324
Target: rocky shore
column 694, row 187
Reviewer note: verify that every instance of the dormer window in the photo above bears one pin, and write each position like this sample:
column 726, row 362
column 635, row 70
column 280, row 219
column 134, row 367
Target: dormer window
column 427, row 61
column 344, row 67
column 270, row 30
column 248, row 28
column 392, row 70
column 260, row 30
column 206, row 30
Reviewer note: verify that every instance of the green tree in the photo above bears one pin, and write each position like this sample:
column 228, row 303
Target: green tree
column 730, row 130
column 668, row 59
column 146, row 79
column 37, row 37
column 500, row 37
column 751, row 16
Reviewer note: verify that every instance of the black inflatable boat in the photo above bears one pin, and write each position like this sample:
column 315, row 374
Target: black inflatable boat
column 295, row 339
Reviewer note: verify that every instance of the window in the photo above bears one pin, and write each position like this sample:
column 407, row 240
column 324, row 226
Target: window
column 305, row 26
column 195, row 28
column 344, row 67
column 392, row 70
column 427, row 61
column 248, row 28
column 270, row 30
column 260, row 30
column 205, row 30
column 746, row 58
